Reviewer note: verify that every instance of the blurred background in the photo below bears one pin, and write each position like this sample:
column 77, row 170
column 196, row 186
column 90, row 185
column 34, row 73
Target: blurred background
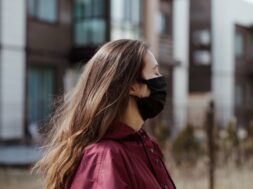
column 203, row 47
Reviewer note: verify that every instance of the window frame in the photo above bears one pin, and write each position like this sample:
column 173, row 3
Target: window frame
column 83, row 18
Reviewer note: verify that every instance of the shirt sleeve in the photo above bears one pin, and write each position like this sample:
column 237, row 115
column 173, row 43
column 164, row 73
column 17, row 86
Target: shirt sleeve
column 102, row 169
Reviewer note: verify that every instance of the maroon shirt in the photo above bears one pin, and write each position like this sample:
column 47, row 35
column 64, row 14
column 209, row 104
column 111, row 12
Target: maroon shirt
column 123, row 159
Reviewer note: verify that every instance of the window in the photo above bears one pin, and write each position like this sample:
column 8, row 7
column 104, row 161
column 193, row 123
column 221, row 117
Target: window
column 201, row 37
column 239, row 44
column 202, row 57
column 125, row 19
column 40, row 93
column 90, row 22
column 45, row 10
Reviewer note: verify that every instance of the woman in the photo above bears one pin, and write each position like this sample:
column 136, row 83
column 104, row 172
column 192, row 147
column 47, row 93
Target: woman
column 97, row 140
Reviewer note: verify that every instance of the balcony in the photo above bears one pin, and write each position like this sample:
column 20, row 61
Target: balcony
column 166, row 50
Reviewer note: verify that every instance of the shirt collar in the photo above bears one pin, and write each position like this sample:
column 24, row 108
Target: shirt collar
column 121, row 130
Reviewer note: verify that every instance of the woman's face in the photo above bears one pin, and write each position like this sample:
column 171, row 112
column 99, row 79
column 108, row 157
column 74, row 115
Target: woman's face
column 150, row 70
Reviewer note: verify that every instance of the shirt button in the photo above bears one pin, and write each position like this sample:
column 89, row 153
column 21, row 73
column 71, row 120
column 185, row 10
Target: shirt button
column 157, row 161
column 165, row 187
column 151, row 150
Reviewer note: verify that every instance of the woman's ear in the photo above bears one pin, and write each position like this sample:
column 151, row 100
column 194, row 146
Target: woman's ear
column 134, row 89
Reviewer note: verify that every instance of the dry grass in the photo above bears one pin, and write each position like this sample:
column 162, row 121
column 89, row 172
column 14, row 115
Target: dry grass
column 226, row 178
column 12, row 178
column 227, row 175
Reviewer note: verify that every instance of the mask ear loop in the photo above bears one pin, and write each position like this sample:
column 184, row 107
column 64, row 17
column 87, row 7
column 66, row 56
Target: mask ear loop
column 142, row 80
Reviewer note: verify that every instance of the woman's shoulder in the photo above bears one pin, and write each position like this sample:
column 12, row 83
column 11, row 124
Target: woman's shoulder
column 104, row 148
column 101, row 153
column 102, row 166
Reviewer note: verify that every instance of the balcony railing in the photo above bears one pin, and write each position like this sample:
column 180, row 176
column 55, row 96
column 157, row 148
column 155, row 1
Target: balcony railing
column 166, row 50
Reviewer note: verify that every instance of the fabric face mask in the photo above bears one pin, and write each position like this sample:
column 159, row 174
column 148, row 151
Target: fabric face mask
column 153, row 104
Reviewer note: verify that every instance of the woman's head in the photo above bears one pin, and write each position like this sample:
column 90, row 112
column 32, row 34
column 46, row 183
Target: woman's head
column 100, row 97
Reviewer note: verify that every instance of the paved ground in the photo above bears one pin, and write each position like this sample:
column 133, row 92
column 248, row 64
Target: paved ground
column 19, row 155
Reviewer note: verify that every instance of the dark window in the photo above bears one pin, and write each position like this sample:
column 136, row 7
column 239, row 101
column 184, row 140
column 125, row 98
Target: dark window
column 44, row 10
column 251, row 93
column 163, row 23
column 40, row 93
column 239, row 44
column 90, row 22
column 249, row 89
column 239, row 94
column 251, row 47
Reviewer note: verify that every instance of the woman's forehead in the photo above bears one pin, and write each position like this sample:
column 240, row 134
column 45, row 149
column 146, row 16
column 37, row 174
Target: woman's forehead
column 150, row 61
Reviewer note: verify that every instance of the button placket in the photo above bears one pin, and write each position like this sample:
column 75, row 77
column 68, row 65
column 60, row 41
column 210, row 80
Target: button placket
column 157, row 161
column 165, row 187
column 152, row 155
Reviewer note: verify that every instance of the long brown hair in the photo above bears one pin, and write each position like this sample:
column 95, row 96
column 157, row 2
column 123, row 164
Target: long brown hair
column 86, row 112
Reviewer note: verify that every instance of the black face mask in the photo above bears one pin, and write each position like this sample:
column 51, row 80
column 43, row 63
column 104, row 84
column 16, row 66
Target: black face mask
column 153, row 104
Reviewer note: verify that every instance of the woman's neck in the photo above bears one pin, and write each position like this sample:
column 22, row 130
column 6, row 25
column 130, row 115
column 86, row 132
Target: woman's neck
column 132, row 116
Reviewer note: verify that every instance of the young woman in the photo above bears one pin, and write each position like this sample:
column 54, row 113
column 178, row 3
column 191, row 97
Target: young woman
column 97, row 140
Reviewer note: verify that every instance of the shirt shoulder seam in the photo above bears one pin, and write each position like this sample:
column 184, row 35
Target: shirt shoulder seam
column 100, row 164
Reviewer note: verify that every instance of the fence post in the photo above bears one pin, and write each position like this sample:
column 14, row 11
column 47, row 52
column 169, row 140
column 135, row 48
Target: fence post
column 210, row 125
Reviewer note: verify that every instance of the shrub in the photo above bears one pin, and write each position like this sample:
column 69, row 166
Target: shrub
column 162, row 132
column 185, row 147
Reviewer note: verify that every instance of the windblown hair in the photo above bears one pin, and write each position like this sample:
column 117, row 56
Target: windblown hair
column 84, row 114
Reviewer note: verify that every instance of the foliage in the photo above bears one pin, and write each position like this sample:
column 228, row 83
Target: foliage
column 162, row 132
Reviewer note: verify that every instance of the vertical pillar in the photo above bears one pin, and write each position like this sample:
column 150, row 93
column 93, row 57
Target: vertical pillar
column 12, row 68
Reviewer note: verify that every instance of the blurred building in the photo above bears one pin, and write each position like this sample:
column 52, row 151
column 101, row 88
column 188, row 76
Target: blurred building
column 232, row 60
column 44, row 43
column 214, row 44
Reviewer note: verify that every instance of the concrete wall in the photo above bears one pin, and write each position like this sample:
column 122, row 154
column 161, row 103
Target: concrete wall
column 12, row 68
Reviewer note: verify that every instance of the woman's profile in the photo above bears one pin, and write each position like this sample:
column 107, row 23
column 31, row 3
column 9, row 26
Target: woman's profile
column 96, row 139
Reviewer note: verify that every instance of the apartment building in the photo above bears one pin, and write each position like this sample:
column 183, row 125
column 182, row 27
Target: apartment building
column 213, row 42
